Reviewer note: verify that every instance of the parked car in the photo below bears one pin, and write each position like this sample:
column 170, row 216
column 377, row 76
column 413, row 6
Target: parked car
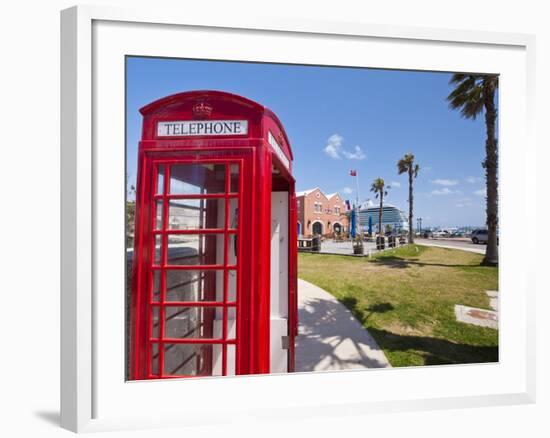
column 426, row 234
column 441, row 234
column 479, row 236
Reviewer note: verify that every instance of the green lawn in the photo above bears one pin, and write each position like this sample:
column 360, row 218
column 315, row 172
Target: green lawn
column 405, row 298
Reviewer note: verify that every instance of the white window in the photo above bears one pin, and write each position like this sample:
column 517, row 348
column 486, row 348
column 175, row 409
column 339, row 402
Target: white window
column 337, row 210
column 318, row 207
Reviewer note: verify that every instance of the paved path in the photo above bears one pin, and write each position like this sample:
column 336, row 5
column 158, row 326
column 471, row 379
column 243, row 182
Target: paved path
column 477, row 316
column 459, row 244
column 330, row 338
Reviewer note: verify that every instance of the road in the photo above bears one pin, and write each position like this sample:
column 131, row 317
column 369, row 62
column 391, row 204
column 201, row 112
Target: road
column 346, row 248
column 462, row 244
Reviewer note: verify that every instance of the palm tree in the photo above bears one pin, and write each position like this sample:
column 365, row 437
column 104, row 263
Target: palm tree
column 378, row 187
column 474, row 93
column 406, row 164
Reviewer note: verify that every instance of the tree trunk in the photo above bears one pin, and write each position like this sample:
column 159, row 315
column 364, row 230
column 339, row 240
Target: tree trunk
column 491, row 174
column 380, row 214
column 411, row 238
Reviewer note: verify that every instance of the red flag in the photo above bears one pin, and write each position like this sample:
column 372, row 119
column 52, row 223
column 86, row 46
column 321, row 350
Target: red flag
column 353, row 172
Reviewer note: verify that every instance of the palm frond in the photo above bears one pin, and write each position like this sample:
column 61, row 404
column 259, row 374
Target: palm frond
column 468, row 95
column 474, row 104
column 405, row 163
column 457, row 78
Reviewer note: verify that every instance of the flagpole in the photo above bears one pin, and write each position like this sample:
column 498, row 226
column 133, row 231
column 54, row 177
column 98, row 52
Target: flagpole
column 357, row 187
column 357, row 226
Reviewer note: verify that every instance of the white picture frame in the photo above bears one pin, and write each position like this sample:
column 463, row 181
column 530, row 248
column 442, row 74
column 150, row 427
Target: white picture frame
column 94, row 396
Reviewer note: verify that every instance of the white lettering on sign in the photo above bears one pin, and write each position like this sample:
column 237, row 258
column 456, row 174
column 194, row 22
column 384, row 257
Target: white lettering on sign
column 192, row 128
column 278, row 150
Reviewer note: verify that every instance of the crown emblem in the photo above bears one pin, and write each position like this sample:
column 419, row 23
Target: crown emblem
column 202, row 110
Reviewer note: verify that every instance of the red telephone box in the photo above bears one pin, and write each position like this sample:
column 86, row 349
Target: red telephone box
column 214, row 268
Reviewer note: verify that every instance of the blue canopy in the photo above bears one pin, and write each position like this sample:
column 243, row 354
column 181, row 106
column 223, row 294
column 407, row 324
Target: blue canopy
column 353, row 223
column 370, row 224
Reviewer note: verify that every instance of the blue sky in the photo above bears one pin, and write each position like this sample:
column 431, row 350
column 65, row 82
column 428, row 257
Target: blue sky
column 339, row 119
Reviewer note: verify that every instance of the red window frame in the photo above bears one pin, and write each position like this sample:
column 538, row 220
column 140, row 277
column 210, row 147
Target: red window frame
column 149, row 266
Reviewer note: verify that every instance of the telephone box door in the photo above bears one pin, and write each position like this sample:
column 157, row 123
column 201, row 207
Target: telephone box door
column 193, row 271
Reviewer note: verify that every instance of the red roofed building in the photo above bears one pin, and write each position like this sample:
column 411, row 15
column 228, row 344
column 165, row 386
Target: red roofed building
column 321, row 214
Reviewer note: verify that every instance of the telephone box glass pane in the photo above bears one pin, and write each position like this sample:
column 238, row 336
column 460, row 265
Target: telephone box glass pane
column 233, row 249
column 232, row 285
column 192, row 323
column 233, row 213
column 194, row 285
column 155, row 332
column 156, row 285
column 155, row 358
column 188, row 359
column 160, row 180
column 158, row 250
column 158, row 214
column 234, row 170
column 195, row 179
column 193, row 214
column 195, row 249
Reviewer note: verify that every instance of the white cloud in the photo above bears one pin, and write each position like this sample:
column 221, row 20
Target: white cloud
column 443, row 191
column 334, row 144
column 444, row 182
column 357, row 155
column 480, row 192
column 472, row 179
column 347, row 190
column 395, row 184
column 463, row 202
column 335, row 150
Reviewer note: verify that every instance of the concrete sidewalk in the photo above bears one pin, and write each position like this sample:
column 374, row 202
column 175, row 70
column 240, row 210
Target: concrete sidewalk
column 330, row 338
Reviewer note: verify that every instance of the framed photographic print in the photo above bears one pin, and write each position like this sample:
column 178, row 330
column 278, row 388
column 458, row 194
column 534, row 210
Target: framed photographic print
column 259, row 216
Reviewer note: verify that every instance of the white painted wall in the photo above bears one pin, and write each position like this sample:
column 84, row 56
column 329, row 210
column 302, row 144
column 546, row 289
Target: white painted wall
column 279, row 281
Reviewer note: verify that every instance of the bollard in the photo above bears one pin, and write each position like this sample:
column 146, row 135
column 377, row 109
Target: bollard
column 316, row 244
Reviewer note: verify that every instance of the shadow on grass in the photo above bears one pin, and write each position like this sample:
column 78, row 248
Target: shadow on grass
column 401, row 263
column 325, row 328
column 364, row 314
column 435, row 351
column 380, row 308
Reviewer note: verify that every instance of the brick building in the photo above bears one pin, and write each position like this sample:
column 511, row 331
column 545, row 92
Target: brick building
column 321, row 214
